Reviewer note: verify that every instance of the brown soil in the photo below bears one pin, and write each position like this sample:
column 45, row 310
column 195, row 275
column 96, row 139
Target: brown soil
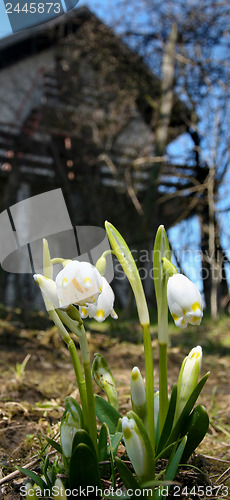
column 31, row 402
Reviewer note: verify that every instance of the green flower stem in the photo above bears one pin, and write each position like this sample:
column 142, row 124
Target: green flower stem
column 79, row 330
column 163, row 384
column 89, row 386
column 149, row 378
column 60, row 260
column 163, row 344
column 108, row 252
column 75, row 361
column 80, row 380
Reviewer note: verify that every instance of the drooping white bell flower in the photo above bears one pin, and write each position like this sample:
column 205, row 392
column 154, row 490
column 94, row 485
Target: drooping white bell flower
column 104, row 305
column 78, row 283
column 188, row 378
column 184, row 301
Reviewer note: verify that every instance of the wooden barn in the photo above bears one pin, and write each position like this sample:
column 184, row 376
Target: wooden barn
column 79, row 111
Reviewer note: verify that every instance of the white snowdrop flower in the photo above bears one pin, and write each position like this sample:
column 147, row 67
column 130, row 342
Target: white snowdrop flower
column 104, row 305
column 184, row 301
column 78, row 283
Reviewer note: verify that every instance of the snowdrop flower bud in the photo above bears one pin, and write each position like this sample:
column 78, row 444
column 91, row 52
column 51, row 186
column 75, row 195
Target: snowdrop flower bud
column 104, row 306
column 188, row 378
column 48, row 288
column 59, row 490
column 78, row 283
column 101, row 265
column 30, row 492
column 135, row 446
column 138, row 395
column 184, row 301
column 104, row 379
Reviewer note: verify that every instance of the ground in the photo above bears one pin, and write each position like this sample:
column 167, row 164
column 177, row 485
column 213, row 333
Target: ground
column 36, row 375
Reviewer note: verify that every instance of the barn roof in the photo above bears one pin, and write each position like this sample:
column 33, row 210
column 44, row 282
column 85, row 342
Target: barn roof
column 80, row 32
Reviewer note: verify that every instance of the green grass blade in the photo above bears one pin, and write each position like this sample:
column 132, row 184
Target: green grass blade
column 107, row 413
column 168, row 421
column 54, row 444
column 130, row 482
column 35, row 478
column 102, row 444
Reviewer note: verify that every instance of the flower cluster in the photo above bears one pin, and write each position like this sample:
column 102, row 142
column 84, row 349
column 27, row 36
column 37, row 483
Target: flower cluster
column 160, row 425
column 79, row 283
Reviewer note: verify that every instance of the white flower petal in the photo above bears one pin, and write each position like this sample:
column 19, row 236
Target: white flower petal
column 134, row 445
column 104, row 306
column 188, row 378
column 48, row 287
column 78, row 283
column 137, row 387
column 184, row 300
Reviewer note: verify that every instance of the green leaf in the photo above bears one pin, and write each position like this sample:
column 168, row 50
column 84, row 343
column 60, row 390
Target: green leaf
column 159, row 484
column 197, row 427
column 83, row 469
column 180, row 427
column 53, row 443
column 113, row 476
column 128, row 264
column 32, row 475
column 72, row 406
column 107, row 413
column 82, row 437
column 172, row 467
column 168, row 421
column 165, row 452
column 102, row 444
column 115, row 441
column 130, row 482
column 175, row 460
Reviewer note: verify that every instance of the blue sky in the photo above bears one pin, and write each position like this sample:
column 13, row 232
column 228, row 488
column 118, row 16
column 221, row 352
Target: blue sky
column 5, row 28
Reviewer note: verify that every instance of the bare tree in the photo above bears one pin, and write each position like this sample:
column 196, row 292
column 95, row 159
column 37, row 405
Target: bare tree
column 194, row 38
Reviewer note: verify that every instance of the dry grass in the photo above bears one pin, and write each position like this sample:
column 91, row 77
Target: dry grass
column 32, row 396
